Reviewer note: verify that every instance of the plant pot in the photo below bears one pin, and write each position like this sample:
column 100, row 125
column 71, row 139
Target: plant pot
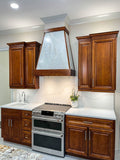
column 74, row 104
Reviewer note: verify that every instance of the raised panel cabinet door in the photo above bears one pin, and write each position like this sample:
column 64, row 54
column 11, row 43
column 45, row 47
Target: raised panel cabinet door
column 104, row 63
column 29, row 67
column 31, row 57
column 15, row 129
column 16, row 63
column 76, row 140
column 84, row 64
column 101, row 144
column 6, row 127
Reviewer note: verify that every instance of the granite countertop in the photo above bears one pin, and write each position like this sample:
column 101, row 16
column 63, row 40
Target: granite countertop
column 92, row 112
column 20, row 106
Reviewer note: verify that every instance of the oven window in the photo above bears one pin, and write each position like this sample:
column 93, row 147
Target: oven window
column 48, row 125
column 47, row 142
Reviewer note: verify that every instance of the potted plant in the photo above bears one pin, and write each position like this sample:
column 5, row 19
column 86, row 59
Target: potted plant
column 74, row 98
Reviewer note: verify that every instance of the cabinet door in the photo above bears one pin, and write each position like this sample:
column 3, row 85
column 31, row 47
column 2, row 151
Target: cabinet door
column 84, row 64
column 16, row 62
column 101, row 144
column 31, row 54
column 29, row 66
column 104, row 63
column 5, row 127
column 16, row 129
column 76, row 140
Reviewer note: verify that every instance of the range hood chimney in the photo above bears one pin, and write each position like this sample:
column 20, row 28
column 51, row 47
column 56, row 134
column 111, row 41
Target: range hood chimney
column 55, row 57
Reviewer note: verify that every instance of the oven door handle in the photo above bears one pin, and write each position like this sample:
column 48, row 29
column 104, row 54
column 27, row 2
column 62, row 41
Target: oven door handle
column 47, row 119
column 48, row 134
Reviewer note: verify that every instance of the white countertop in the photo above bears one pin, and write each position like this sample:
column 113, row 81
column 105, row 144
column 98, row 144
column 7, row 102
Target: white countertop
column 93, row 113
column 21, row 106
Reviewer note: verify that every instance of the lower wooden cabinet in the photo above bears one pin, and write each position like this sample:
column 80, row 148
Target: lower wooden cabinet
column 27, row 127
column 90, row 138
column 101, row 143
column 14, row 127
column 76, row 140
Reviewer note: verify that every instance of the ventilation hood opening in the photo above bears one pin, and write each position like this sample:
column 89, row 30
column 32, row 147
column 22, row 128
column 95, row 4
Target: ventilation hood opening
column 55, row 57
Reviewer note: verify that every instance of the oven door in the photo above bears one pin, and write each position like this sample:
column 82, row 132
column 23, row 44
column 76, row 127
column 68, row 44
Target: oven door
column 48, row 142
column 48, row 124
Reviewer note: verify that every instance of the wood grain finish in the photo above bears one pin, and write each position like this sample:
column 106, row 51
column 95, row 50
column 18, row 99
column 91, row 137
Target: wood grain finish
column 26, row 138
column 22, row 60
column 76, row 140
column 91, row 138
column 57, row 72
column 97, row 62
column 11, row 124
column 16, row 65
column 16, row 126
column 27, row 127
column 26, row 114
column 84, row 64
column 104, row 63
column 57, row 29
column 101, row 144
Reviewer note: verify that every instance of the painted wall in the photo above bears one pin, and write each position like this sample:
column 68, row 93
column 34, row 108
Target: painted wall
column 5, row 92
column 58, row 89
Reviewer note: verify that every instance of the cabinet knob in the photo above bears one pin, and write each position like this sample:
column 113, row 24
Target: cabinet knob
column 26, row 124
column 87, row 122
column 26, row 137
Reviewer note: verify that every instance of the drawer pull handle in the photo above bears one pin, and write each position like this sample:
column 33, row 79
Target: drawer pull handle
column 85, row 135
column 26, row 114
column 26, row 137
column 26, row 125
column 87, row 122
column 89, row 135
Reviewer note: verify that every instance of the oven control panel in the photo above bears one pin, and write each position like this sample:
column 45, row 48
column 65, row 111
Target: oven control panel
column 56, row 115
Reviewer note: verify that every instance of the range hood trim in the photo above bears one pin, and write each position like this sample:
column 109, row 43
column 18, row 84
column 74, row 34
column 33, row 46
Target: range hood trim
column 56, row 72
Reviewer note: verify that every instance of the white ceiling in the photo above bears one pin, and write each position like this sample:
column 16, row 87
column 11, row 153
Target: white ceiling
column 31, row 11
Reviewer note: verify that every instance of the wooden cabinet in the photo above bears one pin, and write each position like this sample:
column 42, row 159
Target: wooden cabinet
column 76, row 141
column 22, row 61
column 97, row 62
column 27, row 127
column 15, row 126
column 90, row 137
column 11, row 125
column 16, row 67
column 101, row 143
column 84, row 65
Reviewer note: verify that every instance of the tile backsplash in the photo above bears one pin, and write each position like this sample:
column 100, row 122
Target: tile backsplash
column 58, row 90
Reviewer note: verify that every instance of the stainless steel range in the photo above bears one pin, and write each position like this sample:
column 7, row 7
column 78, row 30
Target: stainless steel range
column 48, row 128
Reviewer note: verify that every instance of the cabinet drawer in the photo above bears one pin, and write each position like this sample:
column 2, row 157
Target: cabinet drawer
column 13, row 113
column 26, row 124
column 26, row 137
column 90, row 122
column 26, row 114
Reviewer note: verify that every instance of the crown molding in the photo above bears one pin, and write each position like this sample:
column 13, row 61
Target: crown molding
column 96, row 18
column 61, row 20
column 22, row 30
column 4, row 49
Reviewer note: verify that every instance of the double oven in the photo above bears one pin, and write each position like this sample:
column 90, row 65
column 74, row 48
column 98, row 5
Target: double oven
column 48, row 132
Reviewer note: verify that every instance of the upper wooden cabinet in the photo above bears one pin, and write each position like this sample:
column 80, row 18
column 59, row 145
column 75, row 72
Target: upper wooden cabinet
column 97, row 62
column 22, row 62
